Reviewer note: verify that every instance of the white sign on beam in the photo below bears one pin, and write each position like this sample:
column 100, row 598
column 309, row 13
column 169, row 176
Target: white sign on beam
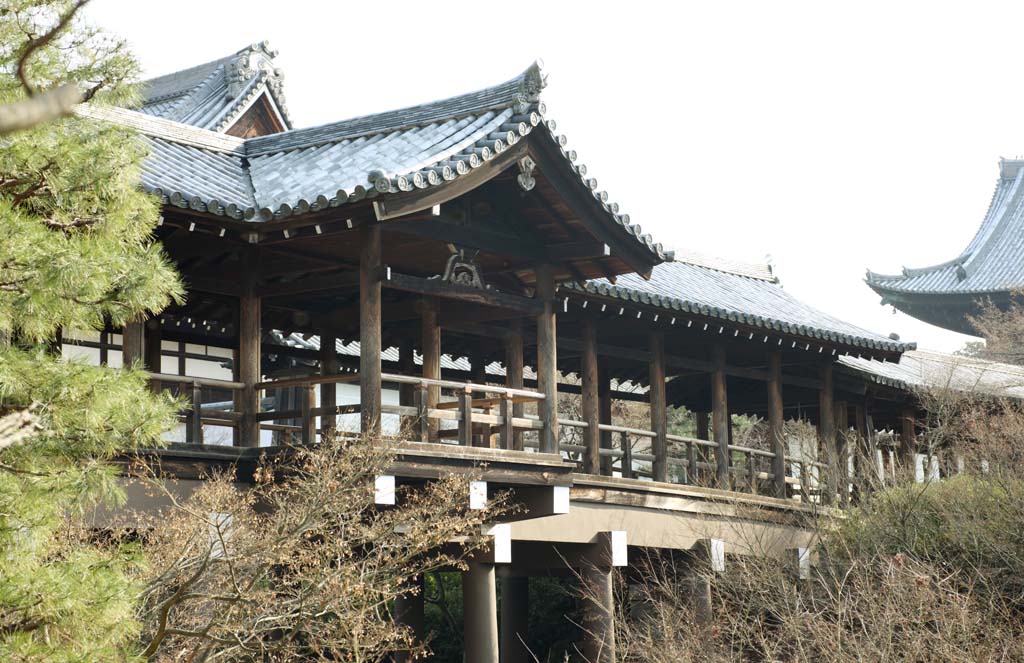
column 716, row 550
column 384, row 490
column 477, row 494
column 560, row 500
column 620, row 556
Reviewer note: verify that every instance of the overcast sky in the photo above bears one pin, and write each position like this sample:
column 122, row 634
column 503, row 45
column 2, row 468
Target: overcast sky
column 831, row 138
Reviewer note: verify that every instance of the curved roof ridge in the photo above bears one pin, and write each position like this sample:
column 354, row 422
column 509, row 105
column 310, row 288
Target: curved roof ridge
column 522, row 90
column 746, row 269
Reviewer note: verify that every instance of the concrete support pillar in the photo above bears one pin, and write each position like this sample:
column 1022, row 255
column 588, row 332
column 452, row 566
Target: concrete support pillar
column 480, row 614
column 515, row 613
column 598, row 614
column 409, row 613
column 370, row 329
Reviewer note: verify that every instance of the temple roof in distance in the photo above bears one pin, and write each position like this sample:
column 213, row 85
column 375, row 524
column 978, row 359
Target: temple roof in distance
column 991, row 264
column 731, row 291
column 919, row 369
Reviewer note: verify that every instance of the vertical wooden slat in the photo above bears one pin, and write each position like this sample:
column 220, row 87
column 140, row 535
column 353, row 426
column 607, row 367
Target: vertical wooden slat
column 591, row 408
column 547, row 359
column 431, row 337
column 659, row 406
column 514, row 376
column 195, row 423
column 827, row 434
column 466, row 417
column 692, row 471
column 478, row 375
column 507, row 428
column 776, row 424
column 308, row 396
column 720, row 417
column 370, row 328
column 406, row 366
column 249, row 366
column 328, row 391
column 627, row 455
column 421, row 398
column 751, row 473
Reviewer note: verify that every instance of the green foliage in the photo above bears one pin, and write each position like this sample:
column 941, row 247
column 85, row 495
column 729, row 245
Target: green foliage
column 75, row 252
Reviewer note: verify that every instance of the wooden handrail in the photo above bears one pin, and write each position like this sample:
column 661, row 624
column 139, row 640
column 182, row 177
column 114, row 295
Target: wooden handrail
column 202, row 382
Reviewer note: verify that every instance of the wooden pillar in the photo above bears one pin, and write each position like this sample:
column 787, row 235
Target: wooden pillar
column 481, row 433
column 151, row 350
column 864, row 456
column 827, row 435
column 842, row 453
column 369, row 328
column 431, row 338
column 547, row 359
column 514, row 373
column 328, row 390
column 604, row 409
column 409, row 613
column 132, row 344
column 659, row 406
column 776, row 423
column 720, row 417
column 515, row 614
column 249, row 374
column 908, row 440
column 406, row 366
column 591, row 407
column 598, row 615
column 480, row 613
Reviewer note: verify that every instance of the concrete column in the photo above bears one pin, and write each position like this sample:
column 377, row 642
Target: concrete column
column 598, row 615
column 409, row 613
column 480, row 614
column 515, row 613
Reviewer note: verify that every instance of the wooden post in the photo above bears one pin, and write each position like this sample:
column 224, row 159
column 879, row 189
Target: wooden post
column 195, row 420
column 481, row 433
column 720, row 417
column 132, row 344
column 514, row 377
column 864, row 456
column 591, row 408
column 151, row 350
column 421, row 398
column 827, row 434
column 466, row 417
column 249, row 333
column 908, row 441
column 776, row 424
column 428, row 309
column 604, row 406
column 308, row 396
column 328, row 390
column 508, row 431
column 547, row 359
column 842, row 453
column 659, row 406
column 406, row 366
column 751, row 473
column 369, row 329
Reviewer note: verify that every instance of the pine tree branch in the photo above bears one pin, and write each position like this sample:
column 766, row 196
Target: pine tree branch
column 43, row 107
column 35, row 43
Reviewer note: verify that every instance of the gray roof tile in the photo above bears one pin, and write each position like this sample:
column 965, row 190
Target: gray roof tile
column 991, row 262
column 924, row 369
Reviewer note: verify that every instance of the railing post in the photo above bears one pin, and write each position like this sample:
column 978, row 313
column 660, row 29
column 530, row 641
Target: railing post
column 751, row 474
column 627, row 456
column 328, row 390
column 421, row 399
column 195, row 422
column 507, row 427
column 691, row 463
column 308, row 420
column 466, row 417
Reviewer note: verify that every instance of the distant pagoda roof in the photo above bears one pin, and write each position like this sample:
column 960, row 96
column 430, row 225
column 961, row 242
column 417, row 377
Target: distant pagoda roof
column 990, row 268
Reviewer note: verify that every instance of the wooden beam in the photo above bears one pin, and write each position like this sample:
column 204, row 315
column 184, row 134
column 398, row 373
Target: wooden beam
column 547, row 359
column 438, row 288
column 591, row 408
column 370, row 329
column 776, row 423
column 659, row 413
column 721, row 425
column 310, row 284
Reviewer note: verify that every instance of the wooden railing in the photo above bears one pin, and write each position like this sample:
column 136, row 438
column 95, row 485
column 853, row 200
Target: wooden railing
column 488, row 410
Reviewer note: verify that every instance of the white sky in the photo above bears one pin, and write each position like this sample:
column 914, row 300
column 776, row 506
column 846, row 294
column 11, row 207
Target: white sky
column 832, row 138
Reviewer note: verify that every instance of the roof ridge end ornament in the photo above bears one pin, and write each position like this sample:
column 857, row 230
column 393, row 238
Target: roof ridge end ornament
column 250, row 62
column 531, row 83
column 525, row 178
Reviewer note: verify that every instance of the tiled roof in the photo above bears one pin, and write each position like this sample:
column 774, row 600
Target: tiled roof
column 923, row 369
column 213, row 95
column 744, row 294
column 302, row 170
column 991, row 263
